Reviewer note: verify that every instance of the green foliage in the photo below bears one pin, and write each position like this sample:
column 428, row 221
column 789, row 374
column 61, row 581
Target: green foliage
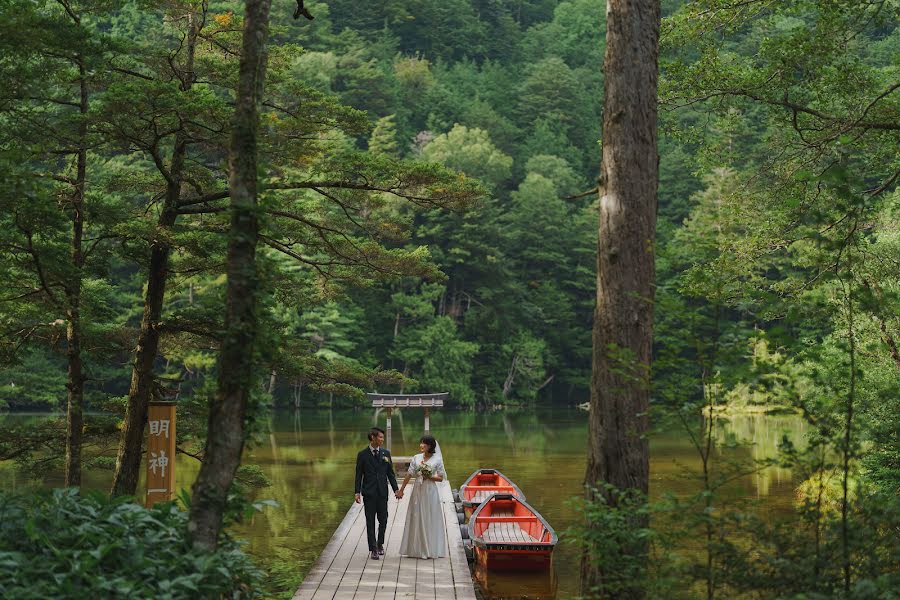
column 384, row 137
column 282, row 573
column 439, row 359
column 511, row 92
column 805, row 562
column 575, row 34
column 252, row 476
column 527, row 372
column 107, row 463
column 556, row 169
column 64, row 545
column 776, row 255
column 547, row 137
column 414, row 76
column 35, row 382
column 471, row 152
column 614, row 534
column 337, row 232
column 37, row 446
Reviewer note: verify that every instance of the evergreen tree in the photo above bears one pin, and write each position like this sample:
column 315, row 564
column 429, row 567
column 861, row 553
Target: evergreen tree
column 384, row 137
column 57, row 47
column 471, row 152
column 618, row 454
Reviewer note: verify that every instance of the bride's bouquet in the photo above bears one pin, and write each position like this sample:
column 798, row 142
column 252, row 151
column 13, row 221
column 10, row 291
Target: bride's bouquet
column 425, row 471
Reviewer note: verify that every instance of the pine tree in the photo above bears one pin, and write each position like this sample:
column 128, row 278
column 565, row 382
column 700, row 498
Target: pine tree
column 384, row 137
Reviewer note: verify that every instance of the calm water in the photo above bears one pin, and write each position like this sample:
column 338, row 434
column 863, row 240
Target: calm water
column 310, row 456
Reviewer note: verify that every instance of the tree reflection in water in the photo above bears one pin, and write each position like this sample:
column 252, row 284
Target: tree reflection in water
column 514, row 585
column 543, row 451
column 312, row 468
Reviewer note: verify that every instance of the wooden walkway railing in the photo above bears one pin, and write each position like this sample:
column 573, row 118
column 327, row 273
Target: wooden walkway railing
column 344, row 570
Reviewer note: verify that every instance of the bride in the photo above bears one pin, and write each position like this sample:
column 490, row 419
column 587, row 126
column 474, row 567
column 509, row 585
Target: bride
column 424, row 536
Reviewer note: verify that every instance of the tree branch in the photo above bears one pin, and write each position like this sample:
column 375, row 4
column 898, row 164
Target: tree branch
column 582, row 194
column 888, row 126
column 884, row 186
column 37, row 265
column 301, row 10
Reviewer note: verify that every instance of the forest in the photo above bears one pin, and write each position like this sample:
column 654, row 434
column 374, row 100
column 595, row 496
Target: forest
column 428, row 175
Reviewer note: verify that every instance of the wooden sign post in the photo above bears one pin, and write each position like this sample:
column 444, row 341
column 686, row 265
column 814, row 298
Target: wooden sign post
column 160, row 453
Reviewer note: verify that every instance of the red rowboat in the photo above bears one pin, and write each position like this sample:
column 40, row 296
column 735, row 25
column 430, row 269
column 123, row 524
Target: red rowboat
column 510, row 535
column 481, row 484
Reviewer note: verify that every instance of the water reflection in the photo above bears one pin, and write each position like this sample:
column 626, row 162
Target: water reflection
column 762, row 434
column 543, row 451
column 499, row 585
column 309, row 456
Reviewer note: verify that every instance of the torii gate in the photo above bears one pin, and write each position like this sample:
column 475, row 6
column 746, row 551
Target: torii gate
column 392, row 401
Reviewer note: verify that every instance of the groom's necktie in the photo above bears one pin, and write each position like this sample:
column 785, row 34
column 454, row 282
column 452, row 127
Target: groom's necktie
column 375, row 453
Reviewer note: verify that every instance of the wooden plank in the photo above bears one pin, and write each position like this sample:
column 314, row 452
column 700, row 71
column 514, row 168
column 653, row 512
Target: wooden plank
column 406, row 579
column 364, row 585
column 315, row 576
column 507, row 532
column 384, row 586
column 359, row 560
column 463, row 586
column 355, row 544
column 425, row 579
column 443, row 573
column 354, row 551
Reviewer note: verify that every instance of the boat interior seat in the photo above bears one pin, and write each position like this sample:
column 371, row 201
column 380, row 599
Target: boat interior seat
column 507, row 532
column 511, row 528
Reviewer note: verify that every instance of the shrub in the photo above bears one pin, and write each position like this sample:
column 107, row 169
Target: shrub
column 63, row 545
column 632, row 557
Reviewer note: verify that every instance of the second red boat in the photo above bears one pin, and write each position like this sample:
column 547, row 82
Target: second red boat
column 508, row 534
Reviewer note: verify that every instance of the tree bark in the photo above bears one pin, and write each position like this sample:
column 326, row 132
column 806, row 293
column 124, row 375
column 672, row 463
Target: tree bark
column 273, row 377
column 75, row 374
column 225, row 433
column 128, row 459
column 618, row 452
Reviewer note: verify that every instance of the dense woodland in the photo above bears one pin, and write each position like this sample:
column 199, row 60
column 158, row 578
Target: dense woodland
column 428, row 177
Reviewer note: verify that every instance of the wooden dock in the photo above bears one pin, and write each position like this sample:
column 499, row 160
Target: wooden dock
column 344, row 570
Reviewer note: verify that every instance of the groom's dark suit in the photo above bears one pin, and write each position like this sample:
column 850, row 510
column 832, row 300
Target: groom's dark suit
column 373, row 473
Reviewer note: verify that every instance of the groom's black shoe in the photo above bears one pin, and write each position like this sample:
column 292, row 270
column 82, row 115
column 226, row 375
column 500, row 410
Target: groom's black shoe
column 380, row 550
column 374, row 555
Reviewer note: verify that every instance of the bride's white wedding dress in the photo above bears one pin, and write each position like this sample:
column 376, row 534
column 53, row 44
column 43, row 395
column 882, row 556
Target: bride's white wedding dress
column 424, row 536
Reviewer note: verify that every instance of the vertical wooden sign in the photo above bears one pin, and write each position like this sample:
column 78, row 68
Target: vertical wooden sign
column 160, row 452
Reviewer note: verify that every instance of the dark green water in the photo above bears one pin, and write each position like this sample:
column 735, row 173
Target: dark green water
column 310, row 455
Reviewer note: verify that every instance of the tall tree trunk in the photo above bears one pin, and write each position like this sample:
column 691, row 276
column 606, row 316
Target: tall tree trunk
column 75, row 375
column 225, row 432
column 128, row 459
column 618, row 452
column 847, row 449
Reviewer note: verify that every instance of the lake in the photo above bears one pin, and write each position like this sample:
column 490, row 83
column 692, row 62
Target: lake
column 309, row 455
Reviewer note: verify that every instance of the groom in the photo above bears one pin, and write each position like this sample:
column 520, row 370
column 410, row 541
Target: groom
column 374, row 470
